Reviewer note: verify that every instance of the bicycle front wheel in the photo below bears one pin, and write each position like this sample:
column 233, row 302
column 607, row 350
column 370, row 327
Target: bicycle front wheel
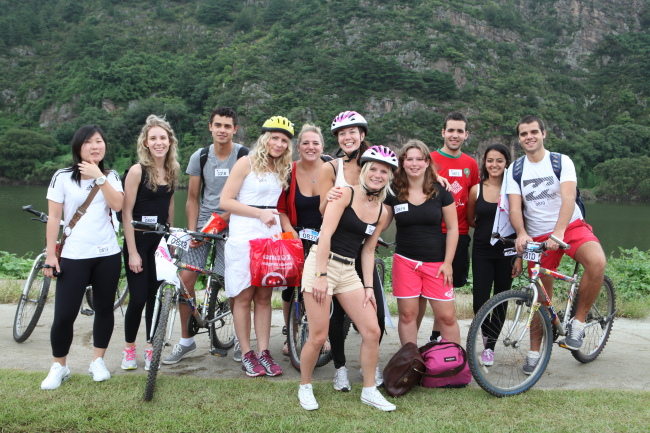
column 31, row 302
column 598, row 323
column 160, row 337
column 298, row 331
column 502, row 322
column 222, row 330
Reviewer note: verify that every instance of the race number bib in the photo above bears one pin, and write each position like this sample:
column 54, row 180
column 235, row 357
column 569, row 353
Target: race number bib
column 455, row 173
column 308, row 234
column 150, row 219
column 401, row 208
column 509, row 252
column 221, row 172
column 531, row 256
column 370, row 229
column 179, row 240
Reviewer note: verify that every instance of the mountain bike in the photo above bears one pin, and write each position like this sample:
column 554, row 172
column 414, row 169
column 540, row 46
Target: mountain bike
column 298, row 329
column 34, row 295
column 509, row 318
column 213, row 314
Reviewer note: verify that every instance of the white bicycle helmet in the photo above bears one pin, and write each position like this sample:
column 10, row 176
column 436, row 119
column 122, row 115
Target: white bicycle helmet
column 380, row 154
column 346, row 119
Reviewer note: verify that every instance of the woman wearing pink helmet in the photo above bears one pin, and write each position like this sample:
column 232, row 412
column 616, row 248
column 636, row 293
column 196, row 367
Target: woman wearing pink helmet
column 330, row 271
column 350, row 129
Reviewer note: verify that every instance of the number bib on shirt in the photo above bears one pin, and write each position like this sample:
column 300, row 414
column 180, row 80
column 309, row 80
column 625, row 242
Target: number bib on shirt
column 401, row 208
column 309, row 234
column 150, row 219
column 221, row 172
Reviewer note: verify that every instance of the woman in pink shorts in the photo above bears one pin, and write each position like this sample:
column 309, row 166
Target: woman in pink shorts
column 423, row 254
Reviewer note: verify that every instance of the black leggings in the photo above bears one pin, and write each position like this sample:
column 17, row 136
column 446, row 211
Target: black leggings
column 486, row 271
column 103, row 273
column 337, row 331
column 142, row 286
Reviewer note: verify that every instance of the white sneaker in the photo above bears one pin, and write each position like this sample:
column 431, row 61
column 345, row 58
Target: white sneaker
column 379, row 377
column 98, row 370
column 341, row 381
column 129, row 356
column 148, row 355
column 57, row 375
column 372, row 397
column 306, row 397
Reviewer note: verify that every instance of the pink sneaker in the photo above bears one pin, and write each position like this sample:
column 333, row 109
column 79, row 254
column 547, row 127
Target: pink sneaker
column 272, row 369
column 487, row 357
column 129, row 356
column 148, row 355
column 251, row 365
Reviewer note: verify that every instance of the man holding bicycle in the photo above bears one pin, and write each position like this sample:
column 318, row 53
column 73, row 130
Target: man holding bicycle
column 208, row 169
column 546, row 191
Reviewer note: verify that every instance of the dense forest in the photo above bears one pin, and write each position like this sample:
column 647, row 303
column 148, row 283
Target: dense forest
column 583, row 66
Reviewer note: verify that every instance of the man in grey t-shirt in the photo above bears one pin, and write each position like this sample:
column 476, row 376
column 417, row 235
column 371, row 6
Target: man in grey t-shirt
column 221, row 158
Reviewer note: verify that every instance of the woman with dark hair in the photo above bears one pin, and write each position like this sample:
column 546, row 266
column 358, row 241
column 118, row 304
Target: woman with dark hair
column 348, row 224
column 148, row 196
column 251, row 195
column 423, row 254
column 491, row 264
column 91, row 254
column 350, row 129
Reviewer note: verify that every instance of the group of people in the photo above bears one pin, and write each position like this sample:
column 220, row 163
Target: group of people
column 434, row 198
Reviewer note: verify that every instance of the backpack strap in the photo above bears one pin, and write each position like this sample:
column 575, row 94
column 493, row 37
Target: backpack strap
column 203, row 158
column 556, row 163
column 243, row 151
column 518, row 170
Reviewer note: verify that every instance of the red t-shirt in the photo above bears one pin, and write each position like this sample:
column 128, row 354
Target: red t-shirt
column 462, row 174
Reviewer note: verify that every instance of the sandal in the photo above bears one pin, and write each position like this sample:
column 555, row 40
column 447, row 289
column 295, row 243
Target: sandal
column 285, row 348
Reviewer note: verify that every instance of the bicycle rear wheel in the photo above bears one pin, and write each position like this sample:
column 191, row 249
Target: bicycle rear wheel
column 222, row 330
column 160, row 337
column 120, row 295
column 598, row 324
column 31, row 302
column 503, row 319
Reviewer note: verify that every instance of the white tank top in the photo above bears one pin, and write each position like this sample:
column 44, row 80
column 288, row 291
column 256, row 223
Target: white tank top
column 340, row 176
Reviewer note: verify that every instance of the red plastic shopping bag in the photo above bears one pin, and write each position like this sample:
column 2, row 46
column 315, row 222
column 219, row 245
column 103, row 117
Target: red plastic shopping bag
column 276, row 263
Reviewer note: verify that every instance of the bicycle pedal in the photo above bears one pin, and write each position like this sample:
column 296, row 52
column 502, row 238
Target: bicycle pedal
column 219, row 352
column 87, row 312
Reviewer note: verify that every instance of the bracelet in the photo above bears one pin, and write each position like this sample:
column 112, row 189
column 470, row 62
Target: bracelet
column 368, row 287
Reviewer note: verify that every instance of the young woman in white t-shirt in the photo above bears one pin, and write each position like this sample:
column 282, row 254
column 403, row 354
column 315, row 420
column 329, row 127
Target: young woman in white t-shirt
column 91, row 254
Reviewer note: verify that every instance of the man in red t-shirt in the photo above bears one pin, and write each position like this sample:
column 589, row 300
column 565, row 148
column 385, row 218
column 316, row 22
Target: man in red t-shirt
column 461, row 171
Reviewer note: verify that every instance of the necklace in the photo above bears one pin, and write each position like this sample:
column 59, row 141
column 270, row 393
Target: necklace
column 370, row 200
column 313, row 179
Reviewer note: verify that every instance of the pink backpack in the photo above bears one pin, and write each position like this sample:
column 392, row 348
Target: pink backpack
column 446, row 364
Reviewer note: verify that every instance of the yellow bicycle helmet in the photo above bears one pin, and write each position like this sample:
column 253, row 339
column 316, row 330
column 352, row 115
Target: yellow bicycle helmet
column 278, row 124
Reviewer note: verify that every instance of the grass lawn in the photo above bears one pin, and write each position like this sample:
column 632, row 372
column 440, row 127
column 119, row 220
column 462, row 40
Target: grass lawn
column 186, row 404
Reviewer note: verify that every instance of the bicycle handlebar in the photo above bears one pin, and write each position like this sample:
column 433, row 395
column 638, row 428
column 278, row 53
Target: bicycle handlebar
column 165, row 228
column 385, row 244
column 562, row 245
column 41, row 216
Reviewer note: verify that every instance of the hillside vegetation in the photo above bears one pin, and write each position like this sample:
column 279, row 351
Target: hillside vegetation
column 582, row 66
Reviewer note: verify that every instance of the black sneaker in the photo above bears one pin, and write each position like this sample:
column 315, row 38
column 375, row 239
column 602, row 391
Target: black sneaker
column 573, row 339
column 530, row 365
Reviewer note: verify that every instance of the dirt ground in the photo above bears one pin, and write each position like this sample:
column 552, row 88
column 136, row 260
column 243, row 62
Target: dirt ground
column 624, row 364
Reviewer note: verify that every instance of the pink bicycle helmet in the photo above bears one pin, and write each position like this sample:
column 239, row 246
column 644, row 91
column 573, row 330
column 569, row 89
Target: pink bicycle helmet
column 346, row 119
column 380, row 154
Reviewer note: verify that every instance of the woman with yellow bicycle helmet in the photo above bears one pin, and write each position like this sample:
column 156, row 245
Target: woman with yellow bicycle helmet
column 251, row 194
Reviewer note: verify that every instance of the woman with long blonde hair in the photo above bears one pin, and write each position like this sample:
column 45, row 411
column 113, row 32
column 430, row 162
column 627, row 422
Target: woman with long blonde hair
column 251, row 195
column 149, row 196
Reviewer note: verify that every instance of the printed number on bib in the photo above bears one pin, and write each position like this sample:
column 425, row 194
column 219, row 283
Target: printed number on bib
column 531, row 256
column 455, row 172
column 308, row 234
column 220, row 172
column 401, row 208
column 179, row 240
column 150, row 219
column 509, row 252
column 370, row 229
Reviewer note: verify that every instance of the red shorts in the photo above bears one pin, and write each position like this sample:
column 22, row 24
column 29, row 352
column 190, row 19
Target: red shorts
column 412, row 279
column 576, row 234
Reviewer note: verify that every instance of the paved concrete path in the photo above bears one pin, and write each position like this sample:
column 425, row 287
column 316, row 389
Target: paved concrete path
column 624, row 364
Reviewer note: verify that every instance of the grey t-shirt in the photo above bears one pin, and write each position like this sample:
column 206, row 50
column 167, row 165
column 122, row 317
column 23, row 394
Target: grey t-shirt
column 215, row 174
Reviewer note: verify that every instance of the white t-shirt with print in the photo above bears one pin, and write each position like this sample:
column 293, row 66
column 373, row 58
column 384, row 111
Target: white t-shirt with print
column 540, row 191
column 93, row 235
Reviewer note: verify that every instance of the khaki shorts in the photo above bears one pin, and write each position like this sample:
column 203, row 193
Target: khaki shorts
column 341, row 278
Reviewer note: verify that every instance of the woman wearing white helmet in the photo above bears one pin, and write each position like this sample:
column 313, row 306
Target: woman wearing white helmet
column 251, row 195
column 350, row 129
column 329, row 271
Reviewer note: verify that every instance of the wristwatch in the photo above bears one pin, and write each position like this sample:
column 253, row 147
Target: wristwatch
column 100, row 180
column 321, row 274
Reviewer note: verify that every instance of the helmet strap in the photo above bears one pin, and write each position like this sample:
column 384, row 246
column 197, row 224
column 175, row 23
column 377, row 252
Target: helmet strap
column 351, row 157
column 370, row 193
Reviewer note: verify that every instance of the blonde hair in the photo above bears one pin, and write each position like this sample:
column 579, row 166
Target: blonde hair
column 362, row 180
column 308, row 127
column 260, row 159
column 147, row 162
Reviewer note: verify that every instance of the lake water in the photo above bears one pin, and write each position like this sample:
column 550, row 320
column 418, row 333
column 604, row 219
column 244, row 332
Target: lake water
column 615, row 223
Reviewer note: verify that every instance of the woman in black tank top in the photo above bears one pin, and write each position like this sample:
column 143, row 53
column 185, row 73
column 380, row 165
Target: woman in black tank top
column 148, row 196
column 491, row 264
column 329, row 270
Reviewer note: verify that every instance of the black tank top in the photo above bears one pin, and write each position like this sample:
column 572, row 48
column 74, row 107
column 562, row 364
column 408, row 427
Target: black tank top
column 307, row 211
column 351, row 231
column 150, row 203
column 485, row 214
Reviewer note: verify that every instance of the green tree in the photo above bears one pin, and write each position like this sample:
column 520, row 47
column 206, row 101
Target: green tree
column 627, row 178
column 21, row 150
